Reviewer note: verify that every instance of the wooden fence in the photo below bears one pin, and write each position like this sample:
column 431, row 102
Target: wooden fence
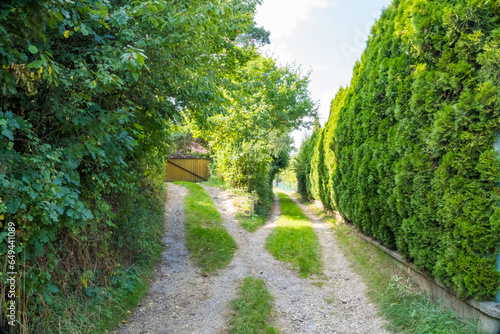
column 192, row 170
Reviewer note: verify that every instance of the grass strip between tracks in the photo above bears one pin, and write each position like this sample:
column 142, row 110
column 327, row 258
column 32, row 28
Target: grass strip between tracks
column 210, row 245
column 252, row 308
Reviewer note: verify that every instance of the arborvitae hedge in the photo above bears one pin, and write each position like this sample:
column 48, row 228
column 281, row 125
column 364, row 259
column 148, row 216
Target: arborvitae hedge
column 328, row 165
column 302, row 164
column 317, row 164
column 411, row 159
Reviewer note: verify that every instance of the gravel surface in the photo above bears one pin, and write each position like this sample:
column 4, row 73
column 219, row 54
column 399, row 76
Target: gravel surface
column 177, row 298
column 180, row 300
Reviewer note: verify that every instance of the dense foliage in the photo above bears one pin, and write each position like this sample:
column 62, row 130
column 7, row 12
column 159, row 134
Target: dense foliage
column 302, row 162
column 327, row 167
column 251, row 141
column 90, row 91
column 409, row 150
column 210, row 246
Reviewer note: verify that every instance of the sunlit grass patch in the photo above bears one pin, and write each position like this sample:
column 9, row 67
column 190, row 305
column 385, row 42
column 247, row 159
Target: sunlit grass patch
column 251, row 223
column 294, row 240
column 210, row 245
column 252, row 308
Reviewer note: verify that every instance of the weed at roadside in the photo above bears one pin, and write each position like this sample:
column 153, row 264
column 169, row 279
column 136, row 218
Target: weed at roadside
column 243, row 202
column 251, row 223
column 215, row 181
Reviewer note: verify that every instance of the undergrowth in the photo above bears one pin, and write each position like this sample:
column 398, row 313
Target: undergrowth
column 294, row 240
column 406, row 308
column 94, row 300
column 252, row 308
column 210, row 245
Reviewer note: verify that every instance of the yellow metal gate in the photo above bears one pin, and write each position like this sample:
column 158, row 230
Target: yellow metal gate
column 192, row 170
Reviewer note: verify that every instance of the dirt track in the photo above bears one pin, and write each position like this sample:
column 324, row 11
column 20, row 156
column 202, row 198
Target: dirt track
column 180, row 300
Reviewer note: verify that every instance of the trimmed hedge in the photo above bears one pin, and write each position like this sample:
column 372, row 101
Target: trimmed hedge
column 317, row 166
column 302, row 163
column 410, row 159
column 323, row 162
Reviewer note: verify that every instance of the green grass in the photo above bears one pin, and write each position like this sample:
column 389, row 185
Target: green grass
column 75, row 312
column 215, row 181
column 210, row 245
column 107, row 300
column 294, row 240
column 251, row 223
column 252, row 308
column 406, row 309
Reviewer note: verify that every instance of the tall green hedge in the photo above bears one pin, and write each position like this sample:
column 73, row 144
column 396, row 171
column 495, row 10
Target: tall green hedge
column 303, row 165
column 317, row 165
column 325, row 152
column 411, row 158
column 90, row 92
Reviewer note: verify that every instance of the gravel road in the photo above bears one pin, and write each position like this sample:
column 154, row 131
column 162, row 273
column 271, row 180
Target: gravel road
column 181, row 300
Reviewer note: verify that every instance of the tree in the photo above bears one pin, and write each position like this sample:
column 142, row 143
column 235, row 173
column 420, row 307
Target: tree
column 91, row 92
column 251, row 140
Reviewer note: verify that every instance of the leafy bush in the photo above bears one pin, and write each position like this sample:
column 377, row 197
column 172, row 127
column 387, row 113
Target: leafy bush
column 413, row 159
column 84, row 130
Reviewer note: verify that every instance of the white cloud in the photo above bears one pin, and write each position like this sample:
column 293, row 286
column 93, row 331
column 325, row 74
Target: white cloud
column 282, row 17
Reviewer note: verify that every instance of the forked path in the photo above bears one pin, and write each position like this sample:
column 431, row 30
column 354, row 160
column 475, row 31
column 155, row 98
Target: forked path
column 180, row 300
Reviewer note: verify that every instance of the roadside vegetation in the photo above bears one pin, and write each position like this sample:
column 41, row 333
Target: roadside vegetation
column 252, row 308
column 244, row 203
column 102, row 297
column 406, row 308
column 294, row 240
column 251, row 223
column 210, row 245
column 215, row 181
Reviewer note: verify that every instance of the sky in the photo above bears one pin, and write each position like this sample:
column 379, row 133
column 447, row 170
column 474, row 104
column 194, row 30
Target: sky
column 324, row 36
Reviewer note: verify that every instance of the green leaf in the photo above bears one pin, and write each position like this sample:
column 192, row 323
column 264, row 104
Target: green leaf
column 36, row 64
column 33, row 49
